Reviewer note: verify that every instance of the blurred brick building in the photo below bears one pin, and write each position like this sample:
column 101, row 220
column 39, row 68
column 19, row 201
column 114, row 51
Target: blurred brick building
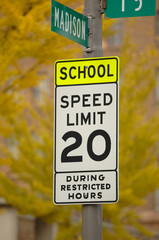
column 143, row 31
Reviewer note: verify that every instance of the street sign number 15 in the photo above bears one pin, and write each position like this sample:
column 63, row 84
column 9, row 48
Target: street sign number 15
column 130, row 8
column 136, row 9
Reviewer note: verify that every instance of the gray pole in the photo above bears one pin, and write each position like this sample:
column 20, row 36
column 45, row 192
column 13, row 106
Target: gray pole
column 92, row 214
column 92, row 10
column 92, row 222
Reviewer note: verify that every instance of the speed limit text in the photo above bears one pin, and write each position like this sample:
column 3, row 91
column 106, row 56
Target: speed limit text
column 86, row 100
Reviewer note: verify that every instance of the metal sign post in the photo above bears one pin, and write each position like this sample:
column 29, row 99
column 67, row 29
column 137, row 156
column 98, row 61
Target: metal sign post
column 92, row 214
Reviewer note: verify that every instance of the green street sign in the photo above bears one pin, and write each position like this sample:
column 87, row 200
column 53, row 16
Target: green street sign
column 130, row 8
column 69, row 23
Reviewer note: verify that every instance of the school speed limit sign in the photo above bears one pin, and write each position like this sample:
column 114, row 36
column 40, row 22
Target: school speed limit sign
column 86, row 131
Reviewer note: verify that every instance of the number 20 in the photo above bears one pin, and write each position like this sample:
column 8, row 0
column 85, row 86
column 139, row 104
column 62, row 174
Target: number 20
column 136, row 9
column 72, row 134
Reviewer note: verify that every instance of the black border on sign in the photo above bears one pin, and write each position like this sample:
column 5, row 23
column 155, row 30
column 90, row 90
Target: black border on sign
column 86, row 59
column 117, row 142
column 88, row 202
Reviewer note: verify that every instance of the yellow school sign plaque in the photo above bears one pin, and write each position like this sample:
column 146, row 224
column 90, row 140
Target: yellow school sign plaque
column 87, row 71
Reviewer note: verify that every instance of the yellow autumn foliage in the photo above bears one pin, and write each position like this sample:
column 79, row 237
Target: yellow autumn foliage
column 27, row 45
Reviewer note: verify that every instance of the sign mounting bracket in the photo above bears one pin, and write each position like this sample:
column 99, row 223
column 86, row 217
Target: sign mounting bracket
column 103, row 5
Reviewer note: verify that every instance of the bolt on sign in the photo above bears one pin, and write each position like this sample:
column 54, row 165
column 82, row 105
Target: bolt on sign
column 86, row 131
column 69, row 23
column 130, row 8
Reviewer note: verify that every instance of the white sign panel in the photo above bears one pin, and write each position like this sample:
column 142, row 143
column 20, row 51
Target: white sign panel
column 86, row 187
column 86, row 135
